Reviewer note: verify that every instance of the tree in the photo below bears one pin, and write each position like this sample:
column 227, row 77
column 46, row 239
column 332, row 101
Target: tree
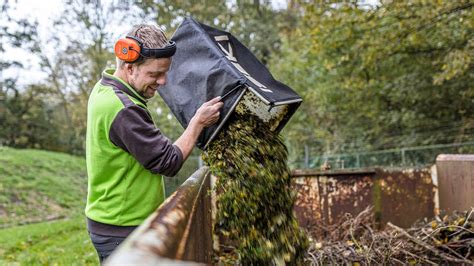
column 255, row 23
column 84, row 49
column 24, row 116
column 376, row 77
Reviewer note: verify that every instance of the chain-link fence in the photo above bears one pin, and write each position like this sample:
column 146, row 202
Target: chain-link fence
column 399, row 157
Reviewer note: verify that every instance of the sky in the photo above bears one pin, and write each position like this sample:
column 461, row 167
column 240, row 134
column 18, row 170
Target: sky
column 42, row 11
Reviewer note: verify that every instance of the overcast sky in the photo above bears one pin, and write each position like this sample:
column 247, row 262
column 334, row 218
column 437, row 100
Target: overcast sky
column 42, row 11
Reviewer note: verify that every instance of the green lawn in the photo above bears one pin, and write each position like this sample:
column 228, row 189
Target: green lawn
column 62, row 242
column 36, row 185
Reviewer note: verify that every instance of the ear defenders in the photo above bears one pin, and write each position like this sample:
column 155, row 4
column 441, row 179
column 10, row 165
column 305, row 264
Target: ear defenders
column 130, row 49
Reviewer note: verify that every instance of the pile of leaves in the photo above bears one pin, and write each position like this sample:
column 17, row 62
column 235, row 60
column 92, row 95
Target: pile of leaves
column 255, row 221
column 447, row 239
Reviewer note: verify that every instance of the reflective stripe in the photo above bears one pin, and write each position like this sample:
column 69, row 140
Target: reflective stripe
column 229, row 53
column 221, row 38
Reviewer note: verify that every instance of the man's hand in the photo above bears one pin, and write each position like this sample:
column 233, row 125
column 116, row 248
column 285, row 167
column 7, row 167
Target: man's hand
column 209, row 112
column 205, row 116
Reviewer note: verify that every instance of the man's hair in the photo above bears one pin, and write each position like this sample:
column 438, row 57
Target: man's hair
column 151, row 36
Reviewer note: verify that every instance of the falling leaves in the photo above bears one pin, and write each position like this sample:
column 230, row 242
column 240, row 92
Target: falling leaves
column 254, row 199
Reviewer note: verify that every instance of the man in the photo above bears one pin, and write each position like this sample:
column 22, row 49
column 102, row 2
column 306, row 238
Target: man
column 126, row 154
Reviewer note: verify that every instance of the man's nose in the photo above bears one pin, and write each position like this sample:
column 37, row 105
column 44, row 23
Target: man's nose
column 161, row 80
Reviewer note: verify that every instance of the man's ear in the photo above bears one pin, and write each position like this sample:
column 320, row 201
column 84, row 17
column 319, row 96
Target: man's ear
column 129, row 68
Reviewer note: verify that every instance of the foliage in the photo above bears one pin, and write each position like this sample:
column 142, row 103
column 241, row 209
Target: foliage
column 25, row 122
column 75, row 66
column 376, row 77
column 254, row 200
column 256, row 23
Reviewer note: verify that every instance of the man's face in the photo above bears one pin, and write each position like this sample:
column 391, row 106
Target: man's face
column 147, row 77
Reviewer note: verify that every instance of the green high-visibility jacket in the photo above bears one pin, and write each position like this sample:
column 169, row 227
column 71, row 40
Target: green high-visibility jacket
column 125, row 155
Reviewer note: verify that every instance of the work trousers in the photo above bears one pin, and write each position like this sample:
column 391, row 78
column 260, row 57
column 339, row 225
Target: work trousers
column 105, row 245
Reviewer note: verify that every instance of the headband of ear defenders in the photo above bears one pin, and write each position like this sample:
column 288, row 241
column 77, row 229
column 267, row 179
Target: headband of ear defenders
column 130, row 49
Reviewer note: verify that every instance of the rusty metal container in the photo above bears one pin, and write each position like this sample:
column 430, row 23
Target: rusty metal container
column 398, row 196
column 406, row 195
column 456, row 181
column 323, row 196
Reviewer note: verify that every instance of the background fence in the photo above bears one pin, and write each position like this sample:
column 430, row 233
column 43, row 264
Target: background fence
column 399, row 157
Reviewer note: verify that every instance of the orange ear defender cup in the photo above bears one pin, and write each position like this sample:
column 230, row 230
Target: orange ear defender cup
column 127, row 49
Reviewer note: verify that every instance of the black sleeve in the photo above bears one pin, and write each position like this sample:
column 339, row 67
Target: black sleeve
column 133, row 130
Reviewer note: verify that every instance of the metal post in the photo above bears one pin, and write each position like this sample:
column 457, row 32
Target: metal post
column 403, row 156
column 306, row 156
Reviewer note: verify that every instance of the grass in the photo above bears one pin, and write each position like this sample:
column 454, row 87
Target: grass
column 62, row 242
column 36, row 185
column 39, row 185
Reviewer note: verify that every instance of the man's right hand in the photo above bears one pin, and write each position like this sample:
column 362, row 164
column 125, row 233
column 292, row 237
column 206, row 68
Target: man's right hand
column 209, row 112
column 205, row 116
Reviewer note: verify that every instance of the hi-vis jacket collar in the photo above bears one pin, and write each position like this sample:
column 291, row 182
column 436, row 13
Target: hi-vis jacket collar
column 108, row 79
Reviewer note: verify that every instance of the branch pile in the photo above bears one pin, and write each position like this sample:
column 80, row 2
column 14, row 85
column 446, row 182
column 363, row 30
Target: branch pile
column 447, row 239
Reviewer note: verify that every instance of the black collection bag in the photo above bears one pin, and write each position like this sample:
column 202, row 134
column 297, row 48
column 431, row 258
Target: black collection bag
column 208, row 63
